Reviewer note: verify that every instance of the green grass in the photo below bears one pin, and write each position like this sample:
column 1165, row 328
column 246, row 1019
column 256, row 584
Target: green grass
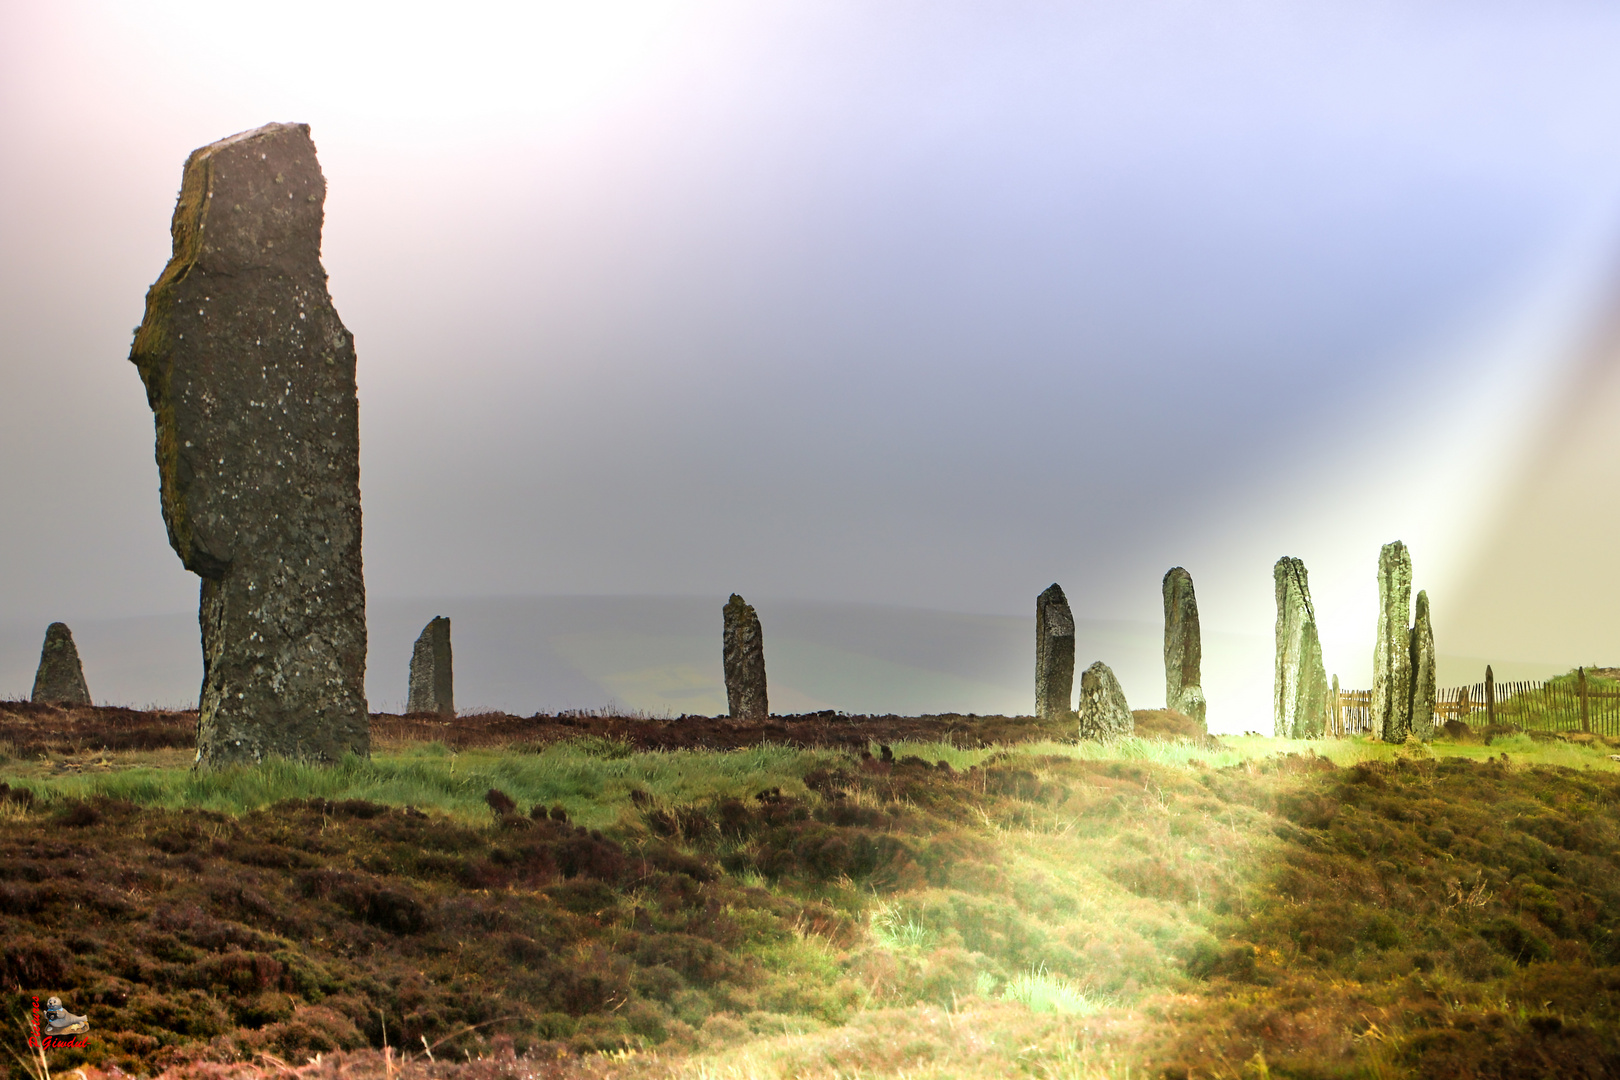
column 1521, row 749
column 592, row 779
column 1041, row 992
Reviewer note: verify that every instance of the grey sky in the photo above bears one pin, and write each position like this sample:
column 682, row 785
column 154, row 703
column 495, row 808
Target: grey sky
column 911, row 304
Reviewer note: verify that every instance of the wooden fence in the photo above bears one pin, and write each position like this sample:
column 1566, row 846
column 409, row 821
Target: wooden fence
column 1566, row 703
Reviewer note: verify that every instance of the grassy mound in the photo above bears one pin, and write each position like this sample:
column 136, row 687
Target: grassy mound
column 930, row 909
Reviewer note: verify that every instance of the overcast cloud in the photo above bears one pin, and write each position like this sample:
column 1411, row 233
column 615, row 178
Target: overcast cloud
column 921, row 305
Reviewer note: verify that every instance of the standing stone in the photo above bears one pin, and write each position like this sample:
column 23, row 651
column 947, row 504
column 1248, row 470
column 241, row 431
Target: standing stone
column 60, row 678
column 1423, row 671
column 1335, row 711
column 1104, row 713
column 1054, row 654
column 1392, row 655
column 432, row 687
column 1300, row 687
column 251, row 379
column 743, row 645
column 1183, row 647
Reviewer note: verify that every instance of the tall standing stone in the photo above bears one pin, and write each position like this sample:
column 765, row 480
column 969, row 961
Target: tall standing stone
column 1183, row 647
column 1054, row 654
column 1423, row 671
column 1300, row 687
column 432, row 684
column 1104, row 713
column 60, row 677
column 1392, row 655
column 743, row 646
column 1335, row 710
column 251, row 379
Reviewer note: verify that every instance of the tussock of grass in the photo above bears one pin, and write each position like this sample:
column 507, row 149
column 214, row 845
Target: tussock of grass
column 1041, row 992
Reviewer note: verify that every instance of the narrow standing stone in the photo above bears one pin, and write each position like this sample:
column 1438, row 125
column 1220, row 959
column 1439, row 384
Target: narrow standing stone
column 432, row 686
column 251, row 379
column 1490, row 697
column 1423, row 671
column 1104, row 713
column 743, row 646
column 1054, row 654
column 60, row 678
column 1300, row 687
column 1392, row 655
column 1335, row 711
column 1183, row 647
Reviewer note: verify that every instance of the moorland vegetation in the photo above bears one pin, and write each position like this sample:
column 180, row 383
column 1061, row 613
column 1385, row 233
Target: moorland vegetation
column 593, row 906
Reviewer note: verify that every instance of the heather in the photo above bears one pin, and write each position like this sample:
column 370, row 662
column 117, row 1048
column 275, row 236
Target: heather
column 590, row 906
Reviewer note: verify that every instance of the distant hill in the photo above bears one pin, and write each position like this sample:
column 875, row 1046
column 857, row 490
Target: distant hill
column 662, row 655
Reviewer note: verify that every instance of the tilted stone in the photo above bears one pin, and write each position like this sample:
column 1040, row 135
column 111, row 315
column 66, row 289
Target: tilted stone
column 1183, row 647
column 1104, row 713
column 743, row 646
column 432, row 684
column 251, row 378
column 1392, row 654
column 1054, row 654
column 1423, row 671
column 60, row 678
column 1300, row 685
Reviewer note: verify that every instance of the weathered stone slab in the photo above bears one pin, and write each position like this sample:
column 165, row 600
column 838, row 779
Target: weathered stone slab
column 1104, row 713
column 60, row 677
column 1392, row 654
column 1300, row 686
column 432, row 682
column 251, row 378
column 1054, row 654
column 1183, row 648
column 743, row 646
column 1423, row 671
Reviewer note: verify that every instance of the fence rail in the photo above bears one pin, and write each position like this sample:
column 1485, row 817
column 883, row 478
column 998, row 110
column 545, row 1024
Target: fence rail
column 1575, row 702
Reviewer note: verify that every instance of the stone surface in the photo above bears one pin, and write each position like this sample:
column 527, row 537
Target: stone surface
column 1423, row 671
column 251, row 379
column 1300, row 685
column 743, row 648
column 1335, row 710
column 1054, row 654
column 1104, row 713
column 1183, row 647
column 432, row 682
column 1392, row 653
column 60, row 678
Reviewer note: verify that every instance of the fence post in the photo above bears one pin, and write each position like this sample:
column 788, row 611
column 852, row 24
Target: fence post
column 1490, row 696
column 1462, row 705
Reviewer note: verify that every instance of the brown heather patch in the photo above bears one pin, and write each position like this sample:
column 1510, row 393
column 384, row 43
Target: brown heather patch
column 716, row 732
column 28, row 730
column 298, row 929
